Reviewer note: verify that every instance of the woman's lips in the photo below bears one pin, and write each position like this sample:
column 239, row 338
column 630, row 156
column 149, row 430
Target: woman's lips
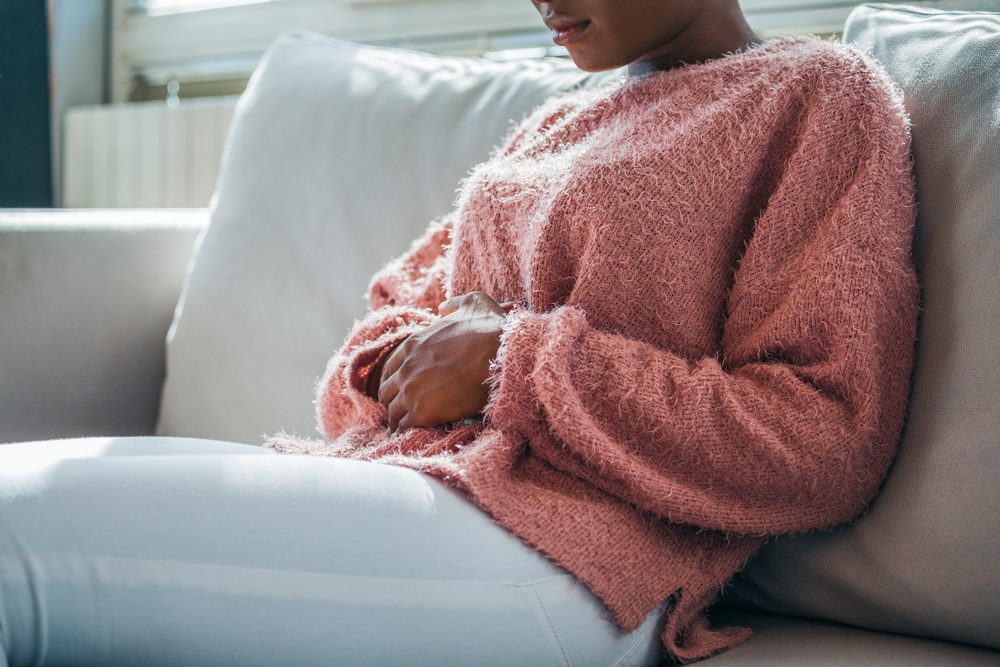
column 564, row 36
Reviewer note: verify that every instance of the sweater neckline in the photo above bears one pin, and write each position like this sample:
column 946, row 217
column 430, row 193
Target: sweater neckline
column 726, row 60
column 622, row 92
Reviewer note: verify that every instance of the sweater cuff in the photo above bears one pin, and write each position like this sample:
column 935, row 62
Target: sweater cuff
column 341, row 399
column 364, row 360
column 527, row 340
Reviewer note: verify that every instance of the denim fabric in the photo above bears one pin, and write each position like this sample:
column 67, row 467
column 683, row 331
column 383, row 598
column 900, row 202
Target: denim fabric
column 169, row 551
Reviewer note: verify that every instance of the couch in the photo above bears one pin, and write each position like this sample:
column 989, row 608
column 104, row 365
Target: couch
column 216, row 323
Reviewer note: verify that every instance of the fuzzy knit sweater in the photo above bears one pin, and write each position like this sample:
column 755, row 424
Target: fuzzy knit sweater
column 718, row 318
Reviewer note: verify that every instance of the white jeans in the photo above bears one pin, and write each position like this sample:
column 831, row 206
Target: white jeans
column 170, row 551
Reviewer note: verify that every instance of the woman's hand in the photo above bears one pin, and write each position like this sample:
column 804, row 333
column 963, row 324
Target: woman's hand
column 438, row 375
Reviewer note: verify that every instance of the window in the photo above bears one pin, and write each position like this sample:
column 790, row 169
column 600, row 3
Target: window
column 219, row 45
column 206, row 47
column 160, row 7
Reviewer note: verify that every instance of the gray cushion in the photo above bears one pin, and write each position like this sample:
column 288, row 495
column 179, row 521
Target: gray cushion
column 924, row 560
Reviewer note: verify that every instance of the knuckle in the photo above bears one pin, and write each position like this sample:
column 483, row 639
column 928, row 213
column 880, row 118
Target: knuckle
column 386, row 392
column 400, row 378
column 417, row 414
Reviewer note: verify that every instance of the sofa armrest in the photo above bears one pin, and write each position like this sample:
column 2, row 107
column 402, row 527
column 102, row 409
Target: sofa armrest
column 86, row 298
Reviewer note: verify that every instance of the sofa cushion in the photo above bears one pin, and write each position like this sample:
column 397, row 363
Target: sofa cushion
column 924, row 559
column 85, row 296
column 785, row 641
column 337, row 158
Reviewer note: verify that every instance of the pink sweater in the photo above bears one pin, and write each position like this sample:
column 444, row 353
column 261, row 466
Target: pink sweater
column 717, row 333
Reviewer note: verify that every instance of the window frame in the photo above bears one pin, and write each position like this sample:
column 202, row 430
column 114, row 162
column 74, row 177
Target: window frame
column 182, row 44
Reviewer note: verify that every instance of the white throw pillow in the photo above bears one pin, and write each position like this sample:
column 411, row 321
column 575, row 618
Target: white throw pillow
column 338, row 157
column 924, row 559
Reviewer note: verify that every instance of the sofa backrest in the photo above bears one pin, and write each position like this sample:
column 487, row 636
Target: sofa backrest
column 924, row 560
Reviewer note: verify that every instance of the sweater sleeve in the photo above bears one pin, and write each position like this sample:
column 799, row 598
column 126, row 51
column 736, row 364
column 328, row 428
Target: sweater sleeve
column 794, row 423
column 403, row 298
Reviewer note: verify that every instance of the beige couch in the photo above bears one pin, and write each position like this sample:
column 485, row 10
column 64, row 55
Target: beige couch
column 339, row 155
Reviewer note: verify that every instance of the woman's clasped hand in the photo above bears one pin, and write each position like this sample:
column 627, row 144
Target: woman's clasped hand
column 438, row 375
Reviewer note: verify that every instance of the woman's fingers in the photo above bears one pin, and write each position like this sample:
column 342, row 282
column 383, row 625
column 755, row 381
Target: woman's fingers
column 389, row 388
column 483, row 302
column 399, row 415
column 477, row 300
column 394, row 361
column 397, row 411
column 438, row 375
column 403, row 415
column 406, row 421
column 449, row 306
column 387, row 392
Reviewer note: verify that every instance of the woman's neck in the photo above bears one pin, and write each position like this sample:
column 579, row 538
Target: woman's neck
column 711, row 34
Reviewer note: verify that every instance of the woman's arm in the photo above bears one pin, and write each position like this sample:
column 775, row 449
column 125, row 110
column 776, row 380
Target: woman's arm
column 794, row 424
column 403, row 297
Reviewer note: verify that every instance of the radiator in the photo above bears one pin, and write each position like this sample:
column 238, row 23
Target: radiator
column 144, row 154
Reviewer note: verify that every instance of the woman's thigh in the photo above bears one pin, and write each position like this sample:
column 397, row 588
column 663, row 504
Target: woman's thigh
column 186, row 552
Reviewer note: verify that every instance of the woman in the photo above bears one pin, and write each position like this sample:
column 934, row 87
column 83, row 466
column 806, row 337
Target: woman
column 667, row 319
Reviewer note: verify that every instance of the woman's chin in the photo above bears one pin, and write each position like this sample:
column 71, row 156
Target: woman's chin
column 591, row 64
